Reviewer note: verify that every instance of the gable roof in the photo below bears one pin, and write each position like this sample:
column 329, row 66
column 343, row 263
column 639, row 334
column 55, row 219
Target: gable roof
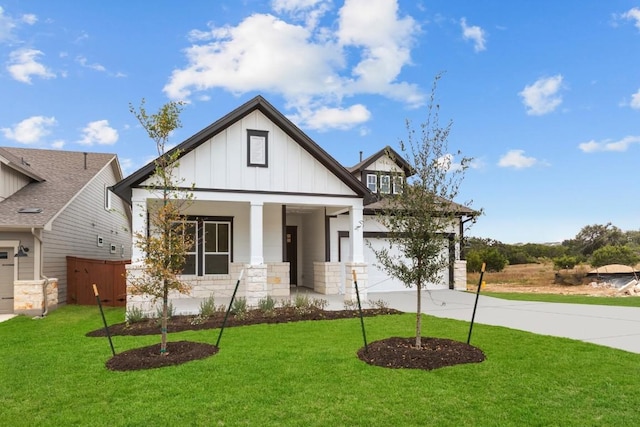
column 59, row 176
column 18, row 164
column 123, row 188
column 386, row 151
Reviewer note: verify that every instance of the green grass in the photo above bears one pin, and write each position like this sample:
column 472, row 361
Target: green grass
column 569, row 299
column 307, row 374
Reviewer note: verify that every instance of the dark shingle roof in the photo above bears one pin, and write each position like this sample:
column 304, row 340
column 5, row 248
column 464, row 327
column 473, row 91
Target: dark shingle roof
column 386, row 151
column 62, row 175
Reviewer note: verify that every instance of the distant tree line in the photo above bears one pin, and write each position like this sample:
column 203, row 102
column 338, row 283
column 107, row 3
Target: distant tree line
column 596, row 245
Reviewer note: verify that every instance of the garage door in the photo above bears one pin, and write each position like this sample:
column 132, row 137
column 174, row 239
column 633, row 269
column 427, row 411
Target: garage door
column 6, row 280
column 379, row 280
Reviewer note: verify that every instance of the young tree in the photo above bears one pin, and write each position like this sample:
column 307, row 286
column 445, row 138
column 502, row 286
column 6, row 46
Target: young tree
column 168, row 237
column 423, row 214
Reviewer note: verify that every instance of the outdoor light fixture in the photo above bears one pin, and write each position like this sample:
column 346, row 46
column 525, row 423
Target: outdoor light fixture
column 22, row 252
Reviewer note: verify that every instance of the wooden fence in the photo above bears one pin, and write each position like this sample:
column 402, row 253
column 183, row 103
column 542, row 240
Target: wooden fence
column 109, row 276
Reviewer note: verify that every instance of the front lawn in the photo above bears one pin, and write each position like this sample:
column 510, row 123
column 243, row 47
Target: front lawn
column 307, row 374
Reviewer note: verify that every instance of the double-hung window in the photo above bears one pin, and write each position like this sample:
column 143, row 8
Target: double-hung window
column 372, row 182
column 385, row 184
column 397, row 184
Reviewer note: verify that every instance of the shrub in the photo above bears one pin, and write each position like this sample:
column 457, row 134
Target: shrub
column 171, row 311
column 208, row 307
column 565, row 262
column 239, row 306
column 379, row 304
column 267, row 304
column 134, row 315
column 474, row 261
column 494, row 259
column 614, row 255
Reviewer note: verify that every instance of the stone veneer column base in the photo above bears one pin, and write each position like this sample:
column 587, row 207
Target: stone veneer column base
column 255, row 279
column 28, row 296
column 362, row 278
column 326, row 277
column 460, row 275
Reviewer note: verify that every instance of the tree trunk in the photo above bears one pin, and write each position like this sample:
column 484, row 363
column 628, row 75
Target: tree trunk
column 419, row 316
column 165, row 308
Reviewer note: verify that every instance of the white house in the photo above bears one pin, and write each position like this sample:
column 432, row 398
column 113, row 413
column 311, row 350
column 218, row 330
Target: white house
column 270, row 201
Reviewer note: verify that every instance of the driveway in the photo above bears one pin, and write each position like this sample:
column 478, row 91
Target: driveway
column 617, row 327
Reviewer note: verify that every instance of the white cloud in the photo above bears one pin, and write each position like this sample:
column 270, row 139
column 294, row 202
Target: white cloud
column 334, row 118
column 311, row 66
column 635, row 100
column 474, row 33
column 99, row 132
column 30, row 130
column 609, row 145
column 517, row 160
column 58, row 144
column 448, row 163
column 307, row 11
column 542, row 97
column 23, row 65
column 95, row 66
column 633, row 15
column 9, row 23
column 29, row 18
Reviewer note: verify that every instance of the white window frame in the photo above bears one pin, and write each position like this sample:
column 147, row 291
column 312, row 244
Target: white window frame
column 397, row 184
column 372, row 182
column 107, row 198
column 385, row 184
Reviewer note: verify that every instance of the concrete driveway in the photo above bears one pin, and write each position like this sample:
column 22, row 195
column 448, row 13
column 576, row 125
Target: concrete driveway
column 617, row 327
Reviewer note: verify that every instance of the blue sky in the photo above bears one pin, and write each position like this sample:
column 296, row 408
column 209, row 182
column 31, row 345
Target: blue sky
column 544, row 95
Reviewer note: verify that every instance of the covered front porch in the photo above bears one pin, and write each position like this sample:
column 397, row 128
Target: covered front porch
column 279, row 242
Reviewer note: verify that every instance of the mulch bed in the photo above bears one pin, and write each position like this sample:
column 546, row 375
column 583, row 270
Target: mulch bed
column 434, row 353
column 392, row 352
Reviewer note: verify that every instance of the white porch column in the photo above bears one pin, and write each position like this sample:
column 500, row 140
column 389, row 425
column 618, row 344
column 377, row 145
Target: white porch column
column 138, row 226
column 255, row 233
column 356, row 234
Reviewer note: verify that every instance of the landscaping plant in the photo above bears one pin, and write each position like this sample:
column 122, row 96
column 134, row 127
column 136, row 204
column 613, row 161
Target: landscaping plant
column 168, row 236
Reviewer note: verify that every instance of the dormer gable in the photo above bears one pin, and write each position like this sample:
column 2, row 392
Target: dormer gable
column 383, row 172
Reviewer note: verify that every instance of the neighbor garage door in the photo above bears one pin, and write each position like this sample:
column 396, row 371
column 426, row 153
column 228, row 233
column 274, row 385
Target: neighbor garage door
column 379, row 280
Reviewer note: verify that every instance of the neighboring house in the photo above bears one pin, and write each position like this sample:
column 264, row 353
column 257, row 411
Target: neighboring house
column 55, row 204
column 270, row 201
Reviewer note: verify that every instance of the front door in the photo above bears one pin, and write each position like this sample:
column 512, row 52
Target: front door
column 6, row 280
column 292, row 253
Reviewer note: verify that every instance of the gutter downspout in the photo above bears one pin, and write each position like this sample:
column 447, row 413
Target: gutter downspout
column 45, row 285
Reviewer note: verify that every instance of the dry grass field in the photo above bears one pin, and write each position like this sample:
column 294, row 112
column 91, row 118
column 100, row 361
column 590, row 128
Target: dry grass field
column 533, row 278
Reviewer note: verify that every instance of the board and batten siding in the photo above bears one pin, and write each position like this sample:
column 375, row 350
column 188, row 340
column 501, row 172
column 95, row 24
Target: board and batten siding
column 221, row 163
column 75, row 231
column 11, row 181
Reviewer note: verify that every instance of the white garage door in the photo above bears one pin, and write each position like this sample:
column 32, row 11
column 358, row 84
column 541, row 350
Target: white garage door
column 379, row 280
